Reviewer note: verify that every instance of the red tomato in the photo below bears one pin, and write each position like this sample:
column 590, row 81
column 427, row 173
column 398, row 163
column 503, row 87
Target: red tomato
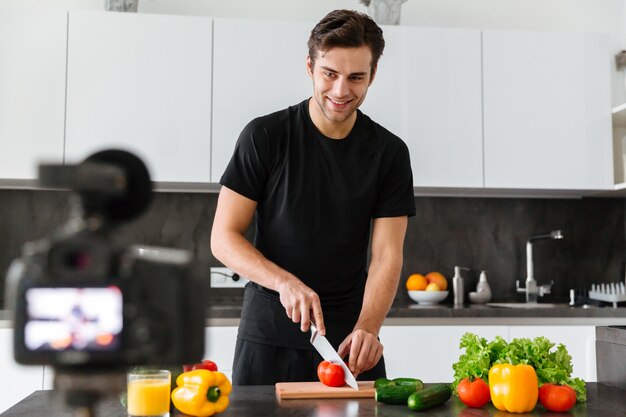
column 331, row 374
column 473, row 394
column 557, row 398
column 205, row 364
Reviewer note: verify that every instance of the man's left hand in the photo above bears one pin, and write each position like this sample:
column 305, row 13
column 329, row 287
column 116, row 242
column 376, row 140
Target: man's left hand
column 364, row 348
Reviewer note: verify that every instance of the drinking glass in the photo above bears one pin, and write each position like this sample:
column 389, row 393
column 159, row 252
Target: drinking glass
column 149, row 393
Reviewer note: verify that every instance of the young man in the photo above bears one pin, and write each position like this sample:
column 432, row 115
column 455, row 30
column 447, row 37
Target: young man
column 320, row 179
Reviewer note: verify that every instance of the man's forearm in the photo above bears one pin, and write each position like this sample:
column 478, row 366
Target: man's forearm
column 380, row 290
column 384, row 272
column 301, row 303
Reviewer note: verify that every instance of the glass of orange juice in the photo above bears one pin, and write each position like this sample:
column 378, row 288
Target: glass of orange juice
column 149, row 393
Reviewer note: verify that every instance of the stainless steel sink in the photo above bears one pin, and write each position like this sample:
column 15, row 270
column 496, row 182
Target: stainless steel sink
column 528, row 305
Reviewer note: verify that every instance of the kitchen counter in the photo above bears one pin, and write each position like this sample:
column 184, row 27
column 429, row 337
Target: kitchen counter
column 602, row 401
column 228, row 313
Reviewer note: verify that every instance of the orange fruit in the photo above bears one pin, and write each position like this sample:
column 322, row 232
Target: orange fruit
column 433, row 287
column 438, row 279
column 416, row 282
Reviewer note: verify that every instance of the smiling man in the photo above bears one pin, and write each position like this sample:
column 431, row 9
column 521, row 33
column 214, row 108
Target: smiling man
column 323, row 183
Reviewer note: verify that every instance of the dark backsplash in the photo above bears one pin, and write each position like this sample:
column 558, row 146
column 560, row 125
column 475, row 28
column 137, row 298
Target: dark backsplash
column 478, row 233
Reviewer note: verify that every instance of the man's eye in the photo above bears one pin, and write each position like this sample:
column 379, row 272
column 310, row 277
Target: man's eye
column 329, row 74
column 356, row 78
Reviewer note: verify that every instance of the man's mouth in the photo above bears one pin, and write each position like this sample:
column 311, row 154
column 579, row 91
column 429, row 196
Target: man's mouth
column 339, row 102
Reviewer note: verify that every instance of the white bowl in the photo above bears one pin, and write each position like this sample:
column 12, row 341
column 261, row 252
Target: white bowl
column 428, row 297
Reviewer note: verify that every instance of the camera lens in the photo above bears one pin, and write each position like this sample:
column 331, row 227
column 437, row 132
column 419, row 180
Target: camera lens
column 79, row 261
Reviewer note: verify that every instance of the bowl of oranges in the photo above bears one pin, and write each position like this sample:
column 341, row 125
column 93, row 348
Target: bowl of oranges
column 428, row 289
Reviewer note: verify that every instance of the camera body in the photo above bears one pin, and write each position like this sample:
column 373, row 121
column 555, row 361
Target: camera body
column 85, row 303
column 80, row 300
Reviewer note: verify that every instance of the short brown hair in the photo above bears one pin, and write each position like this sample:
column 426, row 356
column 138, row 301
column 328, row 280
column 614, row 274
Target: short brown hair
column 348, row 29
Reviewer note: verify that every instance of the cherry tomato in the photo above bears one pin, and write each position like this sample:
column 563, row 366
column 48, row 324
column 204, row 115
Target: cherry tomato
column 205, row 364
column 473, row 394
column 330, row 374
column 557, row 398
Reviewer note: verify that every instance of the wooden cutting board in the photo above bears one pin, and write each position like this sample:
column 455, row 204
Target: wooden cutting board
column 295, row 390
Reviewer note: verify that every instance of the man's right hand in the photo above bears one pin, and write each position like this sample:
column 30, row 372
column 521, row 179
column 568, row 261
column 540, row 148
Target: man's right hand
column 301, row 304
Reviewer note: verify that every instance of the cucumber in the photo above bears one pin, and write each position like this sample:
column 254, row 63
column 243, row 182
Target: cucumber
column 384, row 382
column 429, row 397
column 412, row 382
column 393, row 393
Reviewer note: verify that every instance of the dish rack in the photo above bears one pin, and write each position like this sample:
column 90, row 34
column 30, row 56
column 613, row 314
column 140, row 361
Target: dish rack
column 613, row 292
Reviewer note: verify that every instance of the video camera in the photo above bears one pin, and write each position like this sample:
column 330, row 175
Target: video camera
column 81, row 302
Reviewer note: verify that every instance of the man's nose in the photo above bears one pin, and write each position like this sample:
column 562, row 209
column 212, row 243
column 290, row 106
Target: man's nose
column 340, row 87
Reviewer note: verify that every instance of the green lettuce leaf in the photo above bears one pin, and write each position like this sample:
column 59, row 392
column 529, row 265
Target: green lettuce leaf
column 551, row 365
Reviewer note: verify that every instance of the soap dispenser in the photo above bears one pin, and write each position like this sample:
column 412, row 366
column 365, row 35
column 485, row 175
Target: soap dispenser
column 483, row 290
column 458, row 285
column 483, row 286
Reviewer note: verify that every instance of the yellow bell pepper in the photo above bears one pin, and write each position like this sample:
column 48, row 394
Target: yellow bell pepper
column 201, row 393
column 513, row 388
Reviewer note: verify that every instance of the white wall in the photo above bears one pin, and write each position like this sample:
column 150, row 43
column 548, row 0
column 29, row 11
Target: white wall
column 587, row 15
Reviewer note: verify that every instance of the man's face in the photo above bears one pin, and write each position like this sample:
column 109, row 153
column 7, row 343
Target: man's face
column 341, row 77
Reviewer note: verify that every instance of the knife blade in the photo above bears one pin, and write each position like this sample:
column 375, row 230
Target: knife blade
column 328, row 352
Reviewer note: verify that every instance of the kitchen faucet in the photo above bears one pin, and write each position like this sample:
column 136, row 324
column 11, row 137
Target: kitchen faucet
column 532, row 290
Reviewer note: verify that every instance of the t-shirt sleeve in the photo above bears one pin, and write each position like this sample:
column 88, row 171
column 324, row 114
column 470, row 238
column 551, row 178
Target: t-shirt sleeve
column 396, row 189
column 247, row 172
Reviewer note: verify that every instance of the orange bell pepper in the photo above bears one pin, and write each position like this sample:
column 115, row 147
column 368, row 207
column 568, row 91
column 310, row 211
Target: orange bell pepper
column 513, row 388
column 201, row 393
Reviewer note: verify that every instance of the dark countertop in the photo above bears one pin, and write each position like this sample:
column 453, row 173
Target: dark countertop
column 226, row 312
column 602, row 401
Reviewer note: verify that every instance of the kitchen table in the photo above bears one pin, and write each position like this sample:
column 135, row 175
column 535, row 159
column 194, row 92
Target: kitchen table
column 602, row 401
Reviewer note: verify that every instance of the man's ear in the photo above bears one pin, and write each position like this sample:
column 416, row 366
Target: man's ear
column 373, row 74
column 309, row 65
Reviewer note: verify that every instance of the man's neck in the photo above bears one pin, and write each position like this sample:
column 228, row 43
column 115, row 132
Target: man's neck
column 328, row 128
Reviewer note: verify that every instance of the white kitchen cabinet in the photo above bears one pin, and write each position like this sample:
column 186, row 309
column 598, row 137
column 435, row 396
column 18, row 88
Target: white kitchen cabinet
column 141, row 82
column 428, row 352
column 32, row 89
column 433, row 349
column 580, row 342
column 259, row 68
column 19, row 380
column 220, row 347
column 414, row 94
column 547, row 110
column 428, row 92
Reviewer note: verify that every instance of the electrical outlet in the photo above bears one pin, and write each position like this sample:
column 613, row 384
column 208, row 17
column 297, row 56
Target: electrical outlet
column 225, row 278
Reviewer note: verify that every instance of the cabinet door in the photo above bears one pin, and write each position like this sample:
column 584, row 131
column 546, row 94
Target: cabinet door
column 141, row 82
column 19, row 380
column 428, row 92
column 220, row 347
column 428, row 352
column 32, row 89
column 547, row 110
column 259, row 68
column 580, row 342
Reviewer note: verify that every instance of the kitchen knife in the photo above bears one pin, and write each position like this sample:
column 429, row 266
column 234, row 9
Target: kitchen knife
column 326, row 350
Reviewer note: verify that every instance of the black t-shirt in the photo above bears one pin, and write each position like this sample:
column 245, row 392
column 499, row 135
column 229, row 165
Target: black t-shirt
column 316, row 198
